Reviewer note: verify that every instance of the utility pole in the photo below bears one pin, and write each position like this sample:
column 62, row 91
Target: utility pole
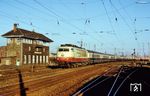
column 93, row 53
column 81, row 44
column 143, row 51
column 115, row 52
column 148, row 49
column 134, row 56
column 94, row 47
column 89, row 47
column 134, row 53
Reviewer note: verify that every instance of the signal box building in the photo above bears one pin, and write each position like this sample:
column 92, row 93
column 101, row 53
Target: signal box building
column 26, row 47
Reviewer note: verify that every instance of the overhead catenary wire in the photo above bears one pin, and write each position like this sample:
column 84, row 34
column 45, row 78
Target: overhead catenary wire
column 47, row 13
column 100, row 15
column 63, row 19
column 131, row 30
column 132, row 20
column 25, row 12
column 109, row 19
column 38, row 10
column 18, row 19
column 87, row 21
column 87, row 24
column 18, row 1
column 117, row 22
column 22, row 21
column 54, row 14
column 57, row 16
column 14, row 19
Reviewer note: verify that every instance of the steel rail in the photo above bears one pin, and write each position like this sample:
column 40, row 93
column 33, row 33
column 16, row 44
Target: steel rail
column 41, row 85
column 124, row 81
column 115, row 81
column 44, row 77
column 83, row 90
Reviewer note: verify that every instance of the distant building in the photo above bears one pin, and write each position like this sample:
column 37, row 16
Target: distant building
column 26, row 47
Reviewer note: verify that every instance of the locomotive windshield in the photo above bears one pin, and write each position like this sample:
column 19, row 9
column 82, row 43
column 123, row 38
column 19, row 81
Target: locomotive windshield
column 63, row 49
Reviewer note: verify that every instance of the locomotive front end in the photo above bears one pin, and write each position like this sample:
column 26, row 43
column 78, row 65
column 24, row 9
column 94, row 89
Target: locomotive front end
column 64, row 55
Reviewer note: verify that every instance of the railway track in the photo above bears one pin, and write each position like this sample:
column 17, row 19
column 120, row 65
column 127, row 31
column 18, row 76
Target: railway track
column 12, row 79
column 94, row 82
column 46, row 80
column 112, row 89
column 37, row 79
column 42, row 82
column 115, row 87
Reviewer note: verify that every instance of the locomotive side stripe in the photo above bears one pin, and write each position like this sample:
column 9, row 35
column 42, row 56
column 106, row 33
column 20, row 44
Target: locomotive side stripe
column 71, row 60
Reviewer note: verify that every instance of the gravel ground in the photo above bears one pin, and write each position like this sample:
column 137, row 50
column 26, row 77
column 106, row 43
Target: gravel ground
column 60, row 82
column 75, row 81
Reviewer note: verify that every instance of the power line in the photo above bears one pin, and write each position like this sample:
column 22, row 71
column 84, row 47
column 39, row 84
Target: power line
column 50, row 12
column 109, row 19
column 56, row 15
column 62, row 19
column 27, row 5
column 88, row 23
column 124, row 21
column 32, row 7
column 129, row 18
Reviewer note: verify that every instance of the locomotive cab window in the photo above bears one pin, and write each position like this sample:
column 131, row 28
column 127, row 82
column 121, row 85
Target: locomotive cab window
column 60, row 49
column 63, row 49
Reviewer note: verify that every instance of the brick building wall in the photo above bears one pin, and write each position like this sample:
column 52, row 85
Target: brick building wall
column 35, row 54
column 3, row 52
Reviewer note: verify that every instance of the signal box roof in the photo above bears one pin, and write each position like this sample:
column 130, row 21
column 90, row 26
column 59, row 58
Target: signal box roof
column 22, row 33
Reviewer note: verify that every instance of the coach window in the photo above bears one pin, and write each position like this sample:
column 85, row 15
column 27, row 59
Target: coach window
column 66, row 49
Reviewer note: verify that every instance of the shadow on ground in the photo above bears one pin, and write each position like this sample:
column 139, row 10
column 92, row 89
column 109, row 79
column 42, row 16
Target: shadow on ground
column 56, row 67
column 21, row 84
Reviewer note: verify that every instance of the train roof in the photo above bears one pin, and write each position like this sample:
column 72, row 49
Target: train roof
column 71, row 45
column 94, row 52
column 99, row 52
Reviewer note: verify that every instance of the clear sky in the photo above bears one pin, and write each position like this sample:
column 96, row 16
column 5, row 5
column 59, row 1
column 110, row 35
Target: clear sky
column 109, row 25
